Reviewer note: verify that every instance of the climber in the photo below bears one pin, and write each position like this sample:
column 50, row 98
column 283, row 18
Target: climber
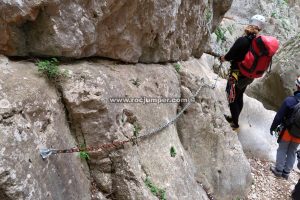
column 289, row 137
column 235, row 55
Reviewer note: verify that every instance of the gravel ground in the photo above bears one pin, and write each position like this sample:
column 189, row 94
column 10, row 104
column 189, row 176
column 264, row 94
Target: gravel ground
column 268, row 187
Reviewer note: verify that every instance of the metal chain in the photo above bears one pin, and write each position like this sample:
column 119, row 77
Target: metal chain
column 208, row 27
column 191, row 100
column 45, row 153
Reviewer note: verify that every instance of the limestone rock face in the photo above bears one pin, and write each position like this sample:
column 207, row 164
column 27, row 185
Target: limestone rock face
column 97, row 120
column 273, row 88
column 205, row 134
column 254, row 135
column 85, row 108
column 131, row 31
column 32, row 117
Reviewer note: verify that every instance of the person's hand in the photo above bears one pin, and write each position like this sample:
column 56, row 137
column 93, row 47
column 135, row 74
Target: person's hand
column 222, row 59
column 271, row 132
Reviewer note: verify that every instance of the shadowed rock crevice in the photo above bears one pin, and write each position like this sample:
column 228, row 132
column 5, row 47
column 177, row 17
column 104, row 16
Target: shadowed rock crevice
column 3, row 196
column 7, row 185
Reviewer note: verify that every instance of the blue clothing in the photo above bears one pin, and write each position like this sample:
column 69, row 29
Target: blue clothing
column 285, row 110
column 286, row 156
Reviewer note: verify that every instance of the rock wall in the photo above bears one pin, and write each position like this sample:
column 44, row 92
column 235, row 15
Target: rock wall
column 208, row 138
column 80, row 112
column 35, row 113
column 131, row 31
column 96, row 120
column 101, row 125
column 32, row 117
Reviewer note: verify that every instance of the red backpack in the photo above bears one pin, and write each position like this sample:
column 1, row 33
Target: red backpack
column 259, row 57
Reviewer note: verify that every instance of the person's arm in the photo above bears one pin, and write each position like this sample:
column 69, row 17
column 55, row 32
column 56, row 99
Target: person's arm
column 279, row 116
column 234, row 52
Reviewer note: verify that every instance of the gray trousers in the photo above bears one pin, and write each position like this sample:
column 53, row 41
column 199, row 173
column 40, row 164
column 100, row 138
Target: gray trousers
column 286, row 156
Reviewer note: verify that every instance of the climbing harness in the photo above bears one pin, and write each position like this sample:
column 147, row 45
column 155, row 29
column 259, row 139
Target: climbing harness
column 231, row 89
column 45, row 152
column 231, row 84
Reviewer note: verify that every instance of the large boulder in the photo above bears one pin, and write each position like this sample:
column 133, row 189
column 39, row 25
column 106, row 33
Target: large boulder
column 32, row 117
column 90, row 96
column 132, row 31
column 254, row 135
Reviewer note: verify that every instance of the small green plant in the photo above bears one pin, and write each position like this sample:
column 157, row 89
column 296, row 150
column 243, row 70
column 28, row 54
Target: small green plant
column 220, row 33
column 136, row 129
column 83, row 154
column 274, row 15
column 177, row 67
column 50, row 68
column 136, row 82
column 173, row 151
column 160, row 193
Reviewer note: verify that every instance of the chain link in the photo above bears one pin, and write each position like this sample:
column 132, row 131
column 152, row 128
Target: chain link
column 176, row 117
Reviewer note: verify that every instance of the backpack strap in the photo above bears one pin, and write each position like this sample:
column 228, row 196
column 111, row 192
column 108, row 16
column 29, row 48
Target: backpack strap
column 251, row 37
column 262, row 47
column 296, row 109
column 270, row 66
column 256, row 57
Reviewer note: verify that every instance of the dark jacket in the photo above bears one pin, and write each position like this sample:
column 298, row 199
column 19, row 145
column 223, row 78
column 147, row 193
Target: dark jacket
column 239, row 50
column 237, row 54
column 285, row 110
column 296, row 191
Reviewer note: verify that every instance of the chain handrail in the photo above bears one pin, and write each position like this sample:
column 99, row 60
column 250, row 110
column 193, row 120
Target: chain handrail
column 45, row 152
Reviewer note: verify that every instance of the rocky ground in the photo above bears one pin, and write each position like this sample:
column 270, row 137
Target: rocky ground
column 268, row 187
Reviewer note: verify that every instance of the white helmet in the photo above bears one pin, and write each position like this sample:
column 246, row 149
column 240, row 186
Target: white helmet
column 298, row 82
column 258, row 20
